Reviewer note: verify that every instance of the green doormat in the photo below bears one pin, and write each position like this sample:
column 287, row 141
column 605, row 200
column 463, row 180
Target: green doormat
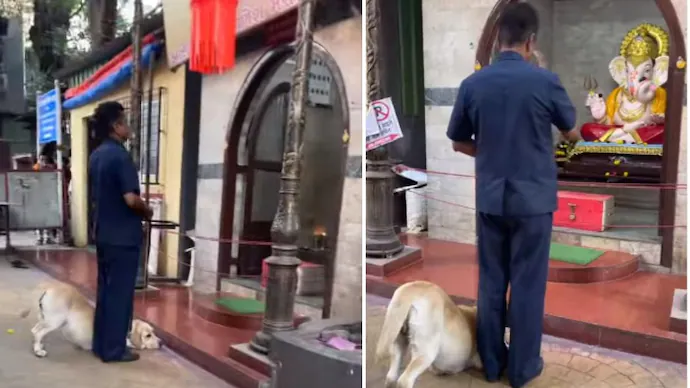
column 242, row 305
column 574, row 255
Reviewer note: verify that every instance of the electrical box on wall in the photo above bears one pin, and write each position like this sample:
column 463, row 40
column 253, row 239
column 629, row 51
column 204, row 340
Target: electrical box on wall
column 320, row 81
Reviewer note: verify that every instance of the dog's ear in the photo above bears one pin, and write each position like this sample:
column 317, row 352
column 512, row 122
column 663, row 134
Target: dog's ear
column 135, row 335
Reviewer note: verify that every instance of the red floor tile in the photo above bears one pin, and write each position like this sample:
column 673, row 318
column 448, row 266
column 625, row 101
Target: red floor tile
column 638, row 304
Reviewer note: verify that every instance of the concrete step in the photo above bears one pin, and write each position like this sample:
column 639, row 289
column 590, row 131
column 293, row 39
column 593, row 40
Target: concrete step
column 308, row 306
column 612, row 265
column 649, row 252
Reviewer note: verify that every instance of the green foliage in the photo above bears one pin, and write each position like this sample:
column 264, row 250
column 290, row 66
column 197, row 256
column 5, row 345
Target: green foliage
column 122, row 26
column 59, row 35
column 12, row 8
column 48, row 49
column 36, row 80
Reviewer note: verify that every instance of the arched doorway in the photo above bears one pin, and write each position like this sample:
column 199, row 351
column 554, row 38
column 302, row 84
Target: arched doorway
column 253, row 160
column 265, row 144
column 674, row 106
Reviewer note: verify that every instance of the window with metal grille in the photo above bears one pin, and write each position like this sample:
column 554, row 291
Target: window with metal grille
column 157, row 123
column 152, row 149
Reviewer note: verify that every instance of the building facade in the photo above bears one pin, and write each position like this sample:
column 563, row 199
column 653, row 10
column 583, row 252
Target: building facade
column 13, row 99
column 241, row 136
column 167, row 107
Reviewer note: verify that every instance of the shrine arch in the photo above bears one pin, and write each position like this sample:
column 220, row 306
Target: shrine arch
column 257, row 91
column 675, row 88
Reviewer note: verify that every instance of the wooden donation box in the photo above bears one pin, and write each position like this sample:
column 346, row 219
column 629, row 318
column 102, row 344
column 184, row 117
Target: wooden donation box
column 583, row 211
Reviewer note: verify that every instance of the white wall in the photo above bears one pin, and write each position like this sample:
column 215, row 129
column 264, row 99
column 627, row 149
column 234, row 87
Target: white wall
column 451, row 34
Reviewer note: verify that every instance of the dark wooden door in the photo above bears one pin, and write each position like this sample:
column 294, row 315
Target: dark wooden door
column 266, row 142
column 93, row 143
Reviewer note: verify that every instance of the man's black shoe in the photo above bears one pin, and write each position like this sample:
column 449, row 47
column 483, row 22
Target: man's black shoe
column 495, row 379
column 127, row 357
column 540, row 368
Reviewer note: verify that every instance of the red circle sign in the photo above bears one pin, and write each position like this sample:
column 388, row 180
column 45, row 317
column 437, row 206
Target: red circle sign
column 381, row 110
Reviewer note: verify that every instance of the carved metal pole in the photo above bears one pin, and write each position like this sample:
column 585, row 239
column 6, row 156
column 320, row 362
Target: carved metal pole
column 382, row 241
column 137, row 83
column 283, row 263
column 135, row 125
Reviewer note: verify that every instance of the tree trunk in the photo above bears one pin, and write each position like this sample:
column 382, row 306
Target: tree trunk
column 48, row 35
column 102, row 15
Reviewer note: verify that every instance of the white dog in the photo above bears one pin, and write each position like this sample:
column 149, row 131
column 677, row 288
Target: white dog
column 62, row 307
column 441, row 336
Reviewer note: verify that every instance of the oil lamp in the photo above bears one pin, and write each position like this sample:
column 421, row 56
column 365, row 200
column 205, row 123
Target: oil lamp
column 320, row 237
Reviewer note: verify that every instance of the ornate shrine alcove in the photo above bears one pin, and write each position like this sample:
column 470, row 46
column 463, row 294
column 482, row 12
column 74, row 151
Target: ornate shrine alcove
column 578, row 40
column 253, row 162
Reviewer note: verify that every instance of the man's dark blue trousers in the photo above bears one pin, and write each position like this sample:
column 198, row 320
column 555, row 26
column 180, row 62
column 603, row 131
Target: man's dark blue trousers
column 515, row 250
column 117, row 273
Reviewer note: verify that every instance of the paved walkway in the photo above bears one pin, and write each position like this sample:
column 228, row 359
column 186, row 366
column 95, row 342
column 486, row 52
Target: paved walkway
column 66, row 367
column 568, row 365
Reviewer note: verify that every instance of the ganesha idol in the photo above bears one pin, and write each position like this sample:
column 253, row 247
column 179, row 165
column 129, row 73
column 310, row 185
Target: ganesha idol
column 634, row 112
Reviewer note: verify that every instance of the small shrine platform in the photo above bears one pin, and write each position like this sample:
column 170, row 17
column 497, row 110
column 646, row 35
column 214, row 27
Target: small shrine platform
column 205, row 306
column 608, row 303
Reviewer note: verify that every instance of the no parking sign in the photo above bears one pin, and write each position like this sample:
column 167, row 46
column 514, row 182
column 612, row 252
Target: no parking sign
column 382, row 123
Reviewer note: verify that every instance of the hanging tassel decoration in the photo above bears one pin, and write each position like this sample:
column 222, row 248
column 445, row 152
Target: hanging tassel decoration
column 197, row 35
column 208, row 52
column 226, row 32
column 213, row 35
column 202, row 36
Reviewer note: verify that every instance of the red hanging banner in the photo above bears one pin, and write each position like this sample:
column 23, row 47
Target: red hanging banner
column 214, row 33
column 226, row 30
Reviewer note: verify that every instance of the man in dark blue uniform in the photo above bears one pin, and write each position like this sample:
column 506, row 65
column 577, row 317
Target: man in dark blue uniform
column 503, row 117
column 118, row 213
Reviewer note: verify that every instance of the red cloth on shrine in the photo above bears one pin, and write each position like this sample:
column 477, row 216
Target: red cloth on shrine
column 214, row 34
column 651, row 134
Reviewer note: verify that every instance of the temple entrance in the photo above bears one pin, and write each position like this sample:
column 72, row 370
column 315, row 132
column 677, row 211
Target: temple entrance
column 92, row 143
column 265, row 153
column 594, row 46
column 253, row 164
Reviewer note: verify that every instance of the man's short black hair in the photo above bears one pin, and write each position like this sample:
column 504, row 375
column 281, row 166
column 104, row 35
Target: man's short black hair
column 517, row 23
column 106, row 115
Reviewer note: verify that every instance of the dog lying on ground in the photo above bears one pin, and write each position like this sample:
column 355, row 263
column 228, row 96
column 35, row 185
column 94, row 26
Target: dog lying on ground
column 440, row 336
column 62, row 307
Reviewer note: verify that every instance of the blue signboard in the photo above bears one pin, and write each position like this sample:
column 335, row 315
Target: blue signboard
column 48, row 112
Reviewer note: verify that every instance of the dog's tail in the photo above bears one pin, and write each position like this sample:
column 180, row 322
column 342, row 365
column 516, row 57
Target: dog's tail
column 395, row 320
column 42, row 288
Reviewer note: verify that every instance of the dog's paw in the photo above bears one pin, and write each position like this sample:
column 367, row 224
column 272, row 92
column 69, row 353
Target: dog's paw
column 40, row 352
column 391, row 384
column 437, row 372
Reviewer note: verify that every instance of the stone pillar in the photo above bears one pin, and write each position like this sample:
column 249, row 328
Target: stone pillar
column 381, row 239
column 283, row 263
column 280, row 300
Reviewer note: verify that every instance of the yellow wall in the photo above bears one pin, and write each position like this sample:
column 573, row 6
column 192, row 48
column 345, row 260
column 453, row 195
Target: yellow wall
column 170, row 160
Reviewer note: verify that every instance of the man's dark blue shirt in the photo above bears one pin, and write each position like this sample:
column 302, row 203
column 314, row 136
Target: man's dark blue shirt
column 112, row 174
column 508, row 109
